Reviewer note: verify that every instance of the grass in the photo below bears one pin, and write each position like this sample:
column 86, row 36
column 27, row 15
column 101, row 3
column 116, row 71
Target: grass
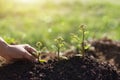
column 30, row 24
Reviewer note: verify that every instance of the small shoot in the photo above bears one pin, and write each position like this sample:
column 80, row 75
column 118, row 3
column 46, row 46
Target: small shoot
column 41, row 48
column 76, row 40
column 79, row 40
column 83, row 30
column 59, row 43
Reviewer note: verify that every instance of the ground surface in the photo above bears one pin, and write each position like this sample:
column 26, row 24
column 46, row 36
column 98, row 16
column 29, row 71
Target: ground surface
column 75, row 68
column 96, row 67
column 107, row 50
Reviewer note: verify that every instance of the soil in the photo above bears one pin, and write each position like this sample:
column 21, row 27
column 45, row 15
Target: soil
column 75, row 68
column 106, row 50
column 98, row 64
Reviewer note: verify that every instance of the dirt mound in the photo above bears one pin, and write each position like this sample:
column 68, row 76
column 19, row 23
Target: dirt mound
column 107, row 50
column 75, row 68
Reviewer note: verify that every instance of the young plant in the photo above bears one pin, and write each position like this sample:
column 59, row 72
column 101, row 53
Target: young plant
column 80, row 41
column 83, row 30
column 41, row 49
column 59, row 43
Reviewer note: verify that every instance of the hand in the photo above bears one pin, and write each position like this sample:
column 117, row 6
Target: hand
column 16, row 52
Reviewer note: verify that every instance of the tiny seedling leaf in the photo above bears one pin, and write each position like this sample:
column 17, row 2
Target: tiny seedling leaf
column 42, row 61
column 87, row 46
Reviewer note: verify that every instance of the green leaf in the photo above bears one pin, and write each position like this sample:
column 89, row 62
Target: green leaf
column 82, row 27
column 39, row 44
column 86, row 32
column 87, row 46
column 42, row 61
column 61, row 45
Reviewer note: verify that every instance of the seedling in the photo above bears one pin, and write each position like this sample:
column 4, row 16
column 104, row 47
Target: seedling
column 41, row 48
column 75, row 39
column 82, row 29
column 59, row 44
column 80, row 42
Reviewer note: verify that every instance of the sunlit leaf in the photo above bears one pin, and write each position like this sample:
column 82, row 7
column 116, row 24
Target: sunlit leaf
column 87, row 46
column 42, row 61
column 38, row 44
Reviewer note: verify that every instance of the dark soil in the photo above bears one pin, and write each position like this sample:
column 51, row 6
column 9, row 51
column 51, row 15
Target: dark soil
column 106, row 50
column 75, row 68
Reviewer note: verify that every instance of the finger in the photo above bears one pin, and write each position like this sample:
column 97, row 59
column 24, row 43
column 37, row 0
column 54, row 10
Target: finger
column 29, row 56
column 30, row 49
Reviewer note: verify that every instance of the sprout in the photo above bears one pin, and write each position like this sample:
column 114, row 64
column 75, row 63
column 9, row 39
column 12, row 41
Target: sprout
column 78, row 41
column 39, row 45
column 59, row 44
column 83, row 29
column 41, row 48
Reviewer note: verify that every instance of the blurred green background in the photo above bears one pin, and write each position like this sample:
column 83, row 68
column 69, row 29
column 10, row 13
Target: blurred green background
column 30, row 21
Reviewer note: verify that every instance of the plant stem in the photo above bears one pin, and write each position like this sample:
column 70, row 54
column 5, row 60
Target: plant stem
column 39, row 57
column 82, row 44
column 58, row 53
column 78, row 50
